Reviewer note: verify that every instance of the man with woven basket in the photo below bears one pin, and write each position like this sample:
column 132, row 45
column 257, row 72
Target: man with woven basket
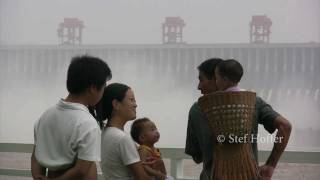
column 200, row 144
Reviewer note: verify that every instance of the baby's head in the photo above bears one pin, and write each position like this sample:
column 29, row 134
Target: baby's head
column 144, row 132
column 228, row 73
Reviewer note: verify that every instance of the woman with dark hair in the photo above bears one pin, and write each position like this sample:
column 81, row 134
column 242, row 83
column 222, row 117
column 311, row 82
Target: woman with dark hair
column 119, row 156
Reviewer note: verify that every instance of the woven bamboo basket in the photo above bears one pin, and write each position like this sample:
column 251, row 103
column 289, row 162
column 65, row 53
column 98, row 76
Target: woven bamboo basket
column 231, row 114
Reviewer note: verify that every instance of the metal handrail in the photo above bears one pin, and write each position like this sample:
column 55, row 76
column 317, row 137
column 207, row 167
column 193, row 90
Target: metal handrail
column 176, row 156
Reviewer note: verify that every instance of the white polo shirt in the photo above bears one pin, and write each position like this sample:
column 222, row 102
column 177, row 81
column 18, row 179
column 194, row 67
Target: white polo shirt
column 65, row 133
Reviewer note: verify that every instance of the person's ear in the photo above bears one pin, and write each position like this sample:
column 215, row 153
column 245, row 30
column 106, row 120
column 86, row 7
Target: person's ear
column 93, row 89
column 142, row 138
column 115, row 104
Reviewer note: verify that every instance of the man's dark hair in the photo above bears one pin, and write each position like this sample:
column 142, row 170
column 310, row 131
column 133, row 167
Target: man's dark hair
column 137, row 128
column 231, row 69
column 85, row 71
column 208, row 66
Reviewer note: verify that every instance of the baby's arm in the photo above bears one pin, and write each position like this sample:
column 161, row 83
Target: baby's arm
column 157, row 174
column 153, row 168
column 162, row 167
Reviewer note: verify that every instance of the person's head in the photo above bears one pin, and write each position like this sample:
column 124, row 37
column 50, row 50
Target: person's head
column 118, row 100
column 87, row 76
column 144, row 131
column 207, row 81
column 228, row 73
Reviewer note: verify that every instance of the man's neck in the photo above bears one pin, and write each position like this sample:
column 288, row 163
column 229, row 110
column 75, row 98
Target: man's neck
column 81, row 99
column 234, row 87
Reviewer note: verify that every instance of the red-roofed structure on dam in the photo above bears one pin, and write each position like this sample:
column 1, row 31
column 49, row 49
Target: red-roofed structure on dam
column 70, row 31
column 260, row 29
column 172, row 30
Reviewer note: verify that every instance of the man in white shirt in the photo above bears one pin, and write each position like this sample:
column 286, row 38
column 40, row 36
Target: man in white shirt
column 67, row 137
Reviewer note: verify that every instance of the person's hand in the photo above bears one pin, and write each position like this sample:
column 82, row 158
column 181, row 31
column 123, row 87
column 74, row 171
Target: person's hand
column 266, row 172
column 160, row 176
column 40, row 177
column 159, row 165
column 149, row 161
column 155, row 163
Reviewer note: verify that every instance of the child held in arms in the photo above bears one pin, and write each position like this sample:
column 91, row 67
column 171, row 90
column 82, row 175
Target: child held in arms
column 146, row 134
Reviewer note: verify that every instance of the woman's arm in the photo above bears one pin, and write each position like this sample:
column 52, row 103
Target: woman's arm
column 138, row 171
column 152, row 172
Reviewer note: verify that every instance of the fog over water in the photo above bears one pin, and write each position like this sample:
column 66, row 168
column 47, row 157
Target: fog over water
column 164, row 78
column 139, row 21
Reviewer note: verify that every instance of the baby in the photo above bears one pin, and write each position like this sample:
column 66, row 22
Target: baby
column 145, row 133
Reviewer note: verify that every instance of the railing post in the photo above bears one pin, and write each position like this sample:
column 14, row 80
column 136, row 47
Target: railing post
column 176, row 168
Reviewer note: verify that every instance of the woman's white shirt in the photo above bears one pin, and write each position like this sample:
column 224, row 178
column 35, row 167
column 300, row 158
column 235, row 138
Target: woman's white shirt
column 118, row 150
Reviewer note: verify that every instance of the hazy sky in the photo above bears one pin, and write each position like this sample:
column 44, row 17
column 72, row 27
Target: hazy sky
column 139, row 21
